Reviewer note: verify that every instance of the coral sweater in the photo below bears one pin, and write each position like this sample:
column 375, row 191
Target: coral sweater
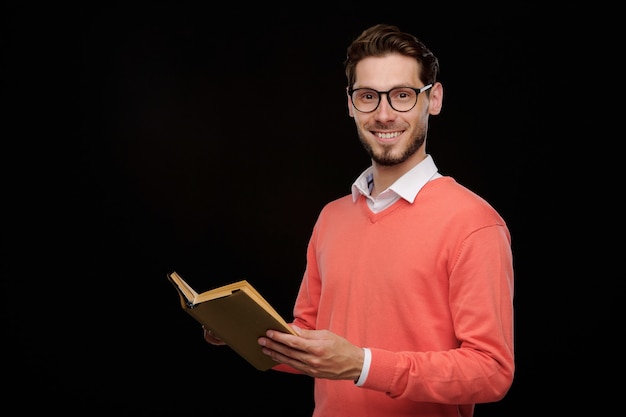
column 428, row 288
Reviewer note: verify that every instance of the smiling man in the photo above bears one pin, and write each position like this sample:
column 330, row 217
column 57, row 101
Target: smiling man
column 406, row 303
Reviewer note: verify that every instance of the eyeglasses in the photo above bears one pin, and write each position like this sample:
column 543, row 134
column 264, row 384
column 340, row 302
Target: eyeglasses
column 401, row 99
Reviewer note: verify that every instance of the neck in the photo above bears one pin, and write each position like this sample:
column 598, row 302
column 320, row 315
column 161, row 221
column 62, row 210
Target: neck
column 385, row 175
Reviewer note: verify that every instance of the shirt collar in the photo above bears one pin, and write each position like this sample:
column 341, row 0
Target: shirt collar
column 407, row 186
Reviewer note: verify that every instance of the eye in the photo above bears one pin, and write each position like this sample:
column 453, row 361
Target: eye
column 367, row 95
column 402, row 94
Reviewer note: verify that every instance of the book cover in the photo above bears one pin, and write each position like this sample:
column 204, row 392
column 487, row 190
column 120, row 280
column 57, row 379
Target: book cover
column 236, row 313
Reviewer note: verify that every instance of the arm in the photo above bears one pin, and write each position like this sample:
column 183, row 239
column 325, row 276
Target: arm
column 478, row 369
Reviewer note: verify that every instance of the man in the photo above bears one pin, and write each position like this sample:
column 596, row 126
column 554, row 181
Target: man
column 406, row 304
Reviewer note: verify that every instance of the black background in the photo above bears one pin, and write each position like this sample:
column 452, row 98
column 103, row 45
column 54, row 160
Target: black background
column 146, row 138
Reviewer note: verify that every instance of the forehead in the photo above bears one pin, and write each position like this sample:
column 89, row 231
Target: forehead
column 383, row 72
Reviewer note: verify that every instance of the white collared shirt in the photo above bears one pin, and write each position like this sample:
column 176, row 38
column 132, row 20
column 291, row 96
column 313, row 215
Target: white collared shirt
column 406, row 187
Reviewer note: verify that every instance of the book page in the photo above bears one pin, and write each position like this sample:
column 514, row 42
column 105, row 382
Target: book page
column 186, row 291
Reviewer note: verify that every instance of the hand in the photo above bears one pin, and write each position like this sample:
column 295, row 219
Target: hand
column 211, row 338
column 317, row 353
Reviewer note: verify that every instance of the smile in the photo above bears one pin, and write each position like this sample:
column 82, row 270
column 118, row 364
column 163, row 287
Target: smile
column 388, row 135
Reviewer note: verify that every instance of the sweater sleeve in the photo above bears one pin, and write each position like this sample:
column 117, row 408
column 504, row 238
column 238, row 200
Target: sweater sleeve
column 481, row 302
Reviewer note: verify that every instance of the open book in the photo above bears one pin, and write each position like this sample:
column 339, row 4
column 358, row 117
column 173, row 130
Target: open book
column 236, row 313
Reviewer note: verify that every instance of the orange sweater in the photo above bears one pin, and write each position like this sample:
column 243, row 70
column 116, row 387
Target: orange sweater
column 428, row 287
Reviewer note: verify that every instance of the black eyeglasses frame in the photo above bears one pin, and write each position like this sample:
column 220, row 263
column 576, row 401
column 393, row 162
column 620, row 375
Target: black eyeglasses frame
column 380, row 94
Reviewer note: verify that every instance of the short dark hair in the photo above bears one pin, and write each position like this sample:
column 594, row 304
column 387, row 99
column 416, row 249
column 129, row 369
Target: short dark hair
column 383, row 39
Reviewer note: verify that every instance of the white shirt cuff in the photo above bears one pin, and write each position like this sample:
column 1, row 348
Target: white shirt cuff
column 367, row 360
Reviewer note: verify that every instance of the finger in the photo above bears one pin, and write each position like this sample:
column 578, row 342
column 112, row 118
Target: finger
column 212, row 338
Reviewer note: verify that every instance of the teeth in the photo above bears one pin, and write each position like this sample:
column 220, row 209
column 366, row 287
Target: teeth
column 387, row 135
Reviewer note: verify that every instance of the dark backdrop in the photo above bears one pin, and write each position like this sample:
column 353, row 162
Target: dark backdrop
column 143, row 139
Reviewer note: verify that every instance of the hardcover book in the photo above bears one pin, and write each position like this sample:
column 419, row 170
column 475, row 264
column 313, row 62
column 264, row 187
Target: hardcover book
column 236, row 313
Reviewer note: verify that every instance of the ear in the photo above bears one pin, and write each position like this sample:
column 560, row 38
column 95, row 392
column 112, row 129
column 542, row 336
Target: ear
column 350, row 108
column 435, row 100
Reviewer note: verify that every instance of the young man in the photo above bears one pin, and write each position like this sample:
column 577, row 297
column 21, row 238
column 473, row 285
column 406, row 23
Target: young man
column 406, row 304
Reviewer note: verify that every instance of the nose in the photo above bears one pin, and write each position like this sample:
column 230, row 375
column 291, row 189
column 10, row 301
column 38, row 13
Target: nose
column 384, row 110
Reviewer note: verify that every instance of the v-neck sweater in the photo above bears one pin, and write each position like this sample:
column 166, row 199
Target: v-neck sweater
column 427, row 287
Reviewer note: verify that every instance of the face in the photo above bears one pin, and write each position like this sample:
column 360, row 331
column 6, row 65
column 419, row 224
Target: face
column 391, row 137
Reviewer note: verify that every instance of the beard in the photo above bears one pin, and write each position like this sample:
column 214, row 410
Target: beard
column 387, row 156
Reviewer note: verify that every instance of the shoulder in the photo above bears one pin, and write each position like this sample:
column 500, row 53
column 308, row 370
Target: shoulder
column 448, row 196
column 340, row 203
